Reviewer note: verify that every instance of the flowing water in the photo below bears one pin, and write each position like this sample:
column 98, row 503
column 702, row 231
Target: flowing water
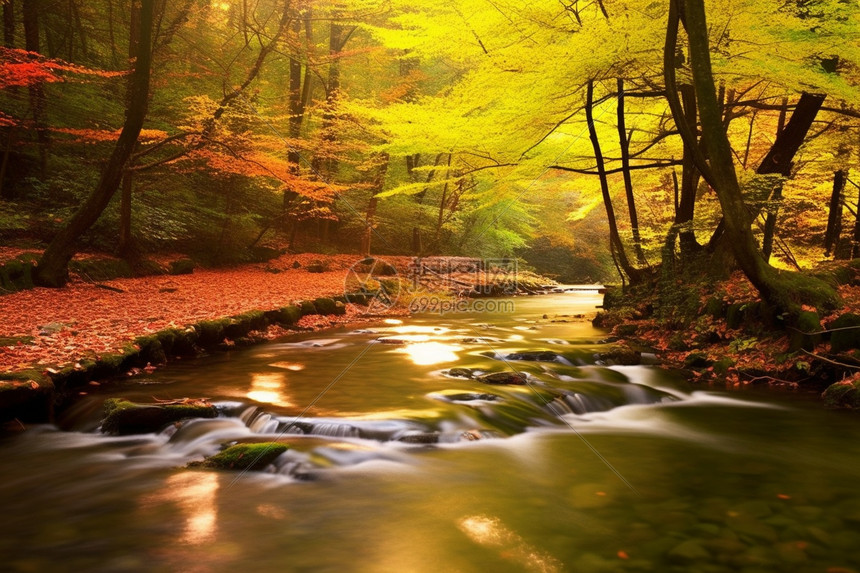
column 399, row 463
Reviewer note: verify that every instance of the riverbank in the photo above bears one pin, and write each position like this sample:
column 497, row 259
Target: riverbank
column 722, row 334
column 54, row 343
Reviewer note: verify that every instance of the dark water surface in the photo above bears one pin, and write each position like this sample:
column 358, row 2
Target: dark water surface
column 396, row 465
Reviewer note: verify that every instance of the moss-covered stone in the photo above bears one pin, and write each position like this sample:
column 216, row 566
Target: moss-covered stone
column 308, row 308
column 151, row 349
column 288, row 315
column 252, row 457
column 806, row 332
column 123, row 417
column 317, row 266
column 697, row 360
column 17, row 274
column 327, row 305
column 626, row 329
column 211, row 332
column 844, row 394
column 504, row 378
column 182, row 267
column 723, row 365
column 845, row 333
column 357, row 298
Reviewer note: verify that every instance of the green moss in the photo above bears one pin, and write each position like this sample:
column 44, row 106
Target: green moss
column 255, row 319
column 806, row 333
column 17, row 274
column 123, row 417
column 308, row 308
column 723, row 365
column 845, row 333
column 288, row 315
column 151, row 349
column 15, row 340
column 211, row 332
column 715, row 307
column 254, row 457
column 329, row 306
column 845, row 394
column 356, row 298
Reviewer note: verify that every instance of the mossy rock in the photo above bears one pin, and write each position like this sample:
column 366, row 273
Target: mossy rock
column 308, row 308
column 211, row 332
column 123, row 417
column 357, row 298
column 845, row 333
column 182, row 267
column 613, row 297
column 504, row 379
column 806, row 332
column 17, row 274
column 622, row 355
column 151, row 349
column 250, row 457
column 287, row 315
column 327, row 305
column 844, row 394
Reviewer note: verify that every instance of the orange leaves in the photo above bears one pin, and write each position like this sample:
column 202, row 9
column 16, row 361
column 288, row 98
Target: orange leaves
column 105, row 135
column 21, row 68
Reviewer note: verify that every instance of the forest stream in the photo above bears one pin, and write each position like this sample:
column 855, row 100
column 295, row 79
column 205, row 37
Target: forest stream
column 403, row 458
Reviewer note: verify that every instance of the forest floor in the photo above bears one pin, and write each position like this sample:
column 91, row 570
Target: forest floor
column 724, row 339
column 56, row 327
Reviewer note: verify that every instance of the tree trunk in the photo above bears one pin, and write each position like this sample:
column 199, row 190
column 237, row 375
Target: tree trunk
column 9, row 24
column 37, row 89
column 855, row 249
column 689, row 179
column 370, row 217
column 624, row 141
column 52, row 270
column 614, row 237
column 784, row 291
column 834, row 216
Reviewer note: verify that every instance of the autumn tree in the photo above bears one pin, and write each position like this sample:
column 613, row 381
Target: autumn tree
column 52, row 269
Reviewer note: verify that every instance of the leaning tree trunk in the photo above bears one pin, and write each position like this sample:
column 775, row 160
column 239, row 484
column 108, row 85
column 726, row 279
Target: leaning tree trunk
column 784, row 291
column 614, row 237
column 52, row 269
column 834, row 214
column 624, row 140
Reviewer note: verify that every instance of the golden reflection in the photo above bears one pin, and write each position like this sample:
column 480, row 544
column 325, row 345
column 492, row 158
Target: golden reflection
column 417, row 329
column 392, row 321
column 490, row 532
column 294, row 366
column 426, row 353
column 194, row 493
column 268, row 387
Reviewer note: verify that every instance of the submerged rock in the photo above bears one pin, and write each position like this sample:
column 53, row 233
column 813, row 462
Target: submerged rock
column 844, row 394
column 461, row 372
column 252, row 457
column 504, row 378
column 123, row 417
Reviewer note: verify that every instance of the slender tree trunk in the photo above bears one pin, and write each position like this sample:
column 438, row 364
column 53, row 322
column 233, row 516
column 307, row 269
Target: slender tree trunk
column 624, row 141
column 31, row 9
column 52, row 269
column 7, row 192
column 784, row 291
column 370, row 217
column 834, row 215
column 614, row 237
column 689, row 179
column 9, row 24
column 855, row 248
